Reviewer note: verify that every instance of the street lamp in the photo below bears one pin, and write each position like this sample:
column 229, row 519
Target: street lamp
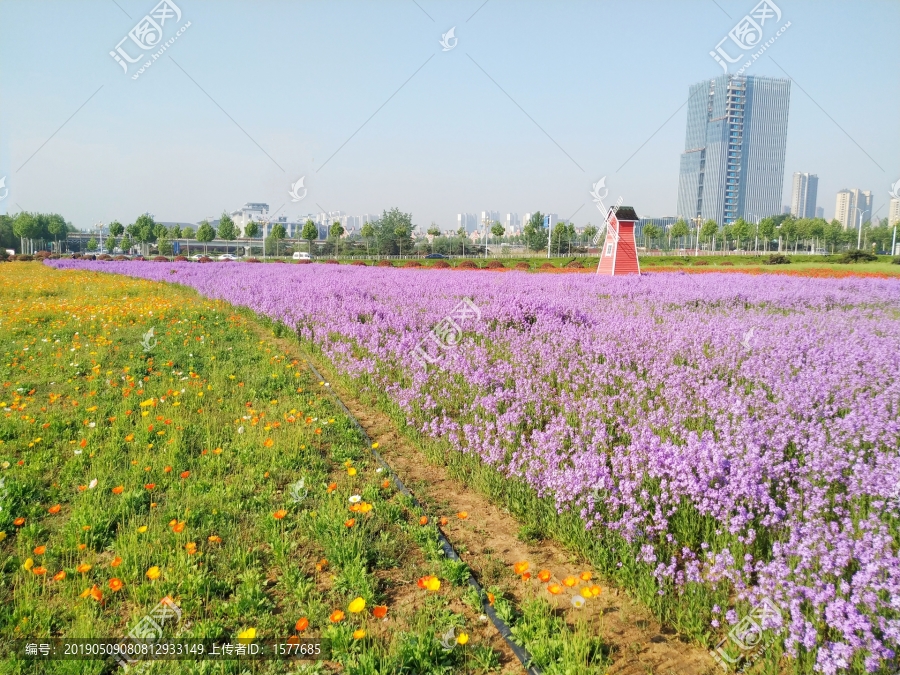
column 859, row 233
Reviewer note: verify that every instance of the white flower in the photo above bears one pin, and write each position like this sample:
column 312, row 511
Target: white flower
column 92, row 484
column 379, row 469
column 241, row 429
column 483, row 617
column 78, row 452
column 92, row 425
column 354, row 499
column 578, row 602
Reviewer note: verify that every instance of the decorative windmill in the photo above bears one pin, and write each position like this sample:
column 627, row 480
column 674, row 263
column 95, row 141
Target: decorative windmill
column 619, row 252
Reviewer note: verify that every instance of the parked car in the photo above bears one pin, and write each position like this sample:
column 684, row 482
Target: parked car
column 196, row 257
column 227, row 256
column 301, row 255
column 435, row 256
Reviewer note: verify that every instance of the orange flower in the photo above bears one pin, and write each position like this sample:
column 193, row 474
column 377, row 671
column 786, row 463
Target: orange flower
column 191, row 548
column 350, row 523
column 423, row 520
column 19, row 522
column 115, row 562
column 279, row 514
column 115, row 584
column 386, row 483
column 570, row 581
column 129, row 438
column 429, row 583
column 150, row 486
column 40, row 550
column 81, row 547
column 178, row 527
column 83, row 443
column 214, row 538
column 544, row 575
column 54, row 509
column 526, row 576
column 153, row 573
column 96, row 593
column 596, row 590
column 491, row 597
column 168, row 469
column 217, row 451
column 301, row 625
column 520, row 567
column 83, row 568
column 40, row 571
column 359, row 633
column 185, row 474
column 379, row 611
column 462, row 515
column 268, row 443
column 321, row 565
column 336, row 616
column 118, row 490
column 554, row 589
column 586, row 576
column 59, row 576
column 332, row 487
column 443, row 521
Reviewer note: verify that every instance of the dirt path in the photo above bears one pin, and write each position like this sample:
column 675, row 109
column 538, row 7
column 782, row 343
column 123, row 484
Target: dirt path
column 488, row 541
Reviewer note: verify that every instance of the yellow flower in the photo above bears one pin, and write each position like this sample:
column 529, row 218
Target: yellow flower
column 28, row 564
column 374, row 445
column 351, row 471
column 433, row 584
column 357, row 605
column 153, row 573
column 359, row 634
column 142, row 529
column 462, row 638
column 2, row 535
column 247, row 635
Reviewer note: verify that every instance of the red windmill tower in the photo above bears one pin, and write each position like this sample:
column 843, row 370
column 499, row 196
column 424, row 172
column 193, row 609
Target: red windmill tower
column 619, row 252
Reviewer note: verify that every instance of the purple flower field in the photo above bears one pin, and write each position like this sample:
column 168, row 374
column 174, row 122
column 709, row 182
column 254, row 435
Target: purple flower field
column 741, row 431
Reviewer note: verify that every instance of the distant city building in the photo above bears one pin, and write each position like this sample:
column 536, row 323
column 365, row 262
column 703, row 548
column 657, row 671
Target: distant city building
column 820, row 212
column 733, row 160
column 512, row 223
column 663, row 224
column 894, row 213
column 803, row 195
column 785, row 209
column 249, row 211
column 490, row 217
column 467, row 221
column 850, row 205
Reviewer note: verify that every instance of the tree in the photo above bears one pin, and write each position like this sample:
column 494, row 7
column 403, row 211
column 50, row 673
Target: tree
column 589, row 233
column 110, row 244
column 498, row 230
column 741, row 229
column 650, row 232
column 227, row 230
column 393, row 232
column 277, row 234
column 709, row 230
column 187, row 232
column 311, row 233
column 175, row 231
column 143, row 231
column 679, row 230
column 534, row 232
column 336, row 232
column 57, row 226
column 26, row 227
column 116, row 228
column 125, row 244
column 767, row 230
column 251, row 230
column 205, row 234
column 558, row 237
column 92, row 244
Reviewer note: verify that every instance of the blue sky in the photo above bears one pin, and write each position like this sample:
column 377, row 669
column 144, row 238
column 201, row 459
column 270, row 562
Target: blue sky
column 536, row 101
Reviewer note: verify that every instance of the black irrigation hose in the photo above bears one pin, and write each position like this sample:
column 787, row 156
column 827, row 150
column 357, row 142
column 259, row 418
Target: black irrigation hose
column 501, row 626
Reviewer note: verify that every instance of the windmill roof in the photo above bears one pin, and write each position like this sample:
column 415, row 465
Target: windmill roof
column 626, row 213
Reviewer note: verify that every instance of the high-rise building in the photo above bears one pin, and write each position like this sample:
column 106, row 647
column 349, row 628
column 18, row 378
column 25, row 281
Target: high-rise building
column 820, row 212
column 512, row 223
column 467, row 221
column 490, row 217
column 733, row 161
column 853, row 207
column 894, row 213
column 803, row 195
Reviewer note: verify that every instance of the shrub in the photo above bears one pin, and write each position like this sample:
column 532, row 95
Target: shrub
column 42, row 255
column 76, row 256
column 440, row 264
column 119, row 257
column 522, row 265
column 575, row 265
column 204, row 259
column 548, row 266
column 180, row 258
column 256, row 260
column 3, row 255
column 160, row 258
column 90, row 256
column 384, row 263
column 895, row 261
column 467, row 265
column 700, row 263
column 495, row 265
column 358, row 263
column 104, row 256
column 279, row 261
column 727, row 263
column 332, row 262
column 54, row 256
column 140, row 257
column 24, row 258
column 777, row 259
column 299, row 262
column 412, row 263
column 857, row 256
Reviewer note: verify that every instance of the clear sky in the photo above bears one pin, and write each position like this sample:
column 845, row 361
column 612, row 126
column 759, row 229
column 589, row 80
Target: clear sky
column 536, row 101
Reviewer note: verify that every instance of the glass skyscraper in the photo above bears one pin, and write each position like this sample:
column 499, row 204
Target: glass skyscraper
column 733, row 161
